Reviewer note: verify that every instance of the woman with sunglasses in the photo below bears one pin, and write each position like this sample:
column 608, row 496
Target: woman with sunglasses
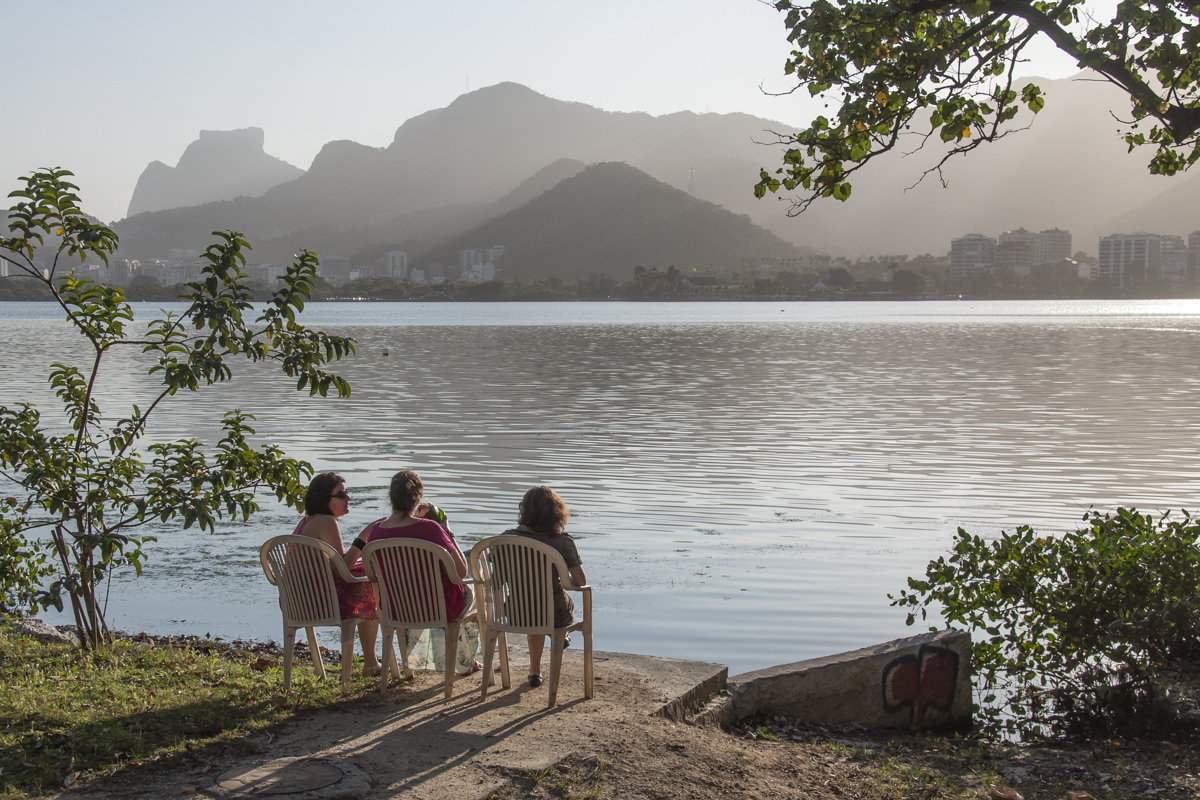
column 325, row 501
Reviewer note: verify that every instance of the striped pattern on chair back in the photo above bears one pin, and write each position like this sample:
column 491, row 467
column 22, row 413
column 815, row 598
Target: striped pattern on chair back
column 516, row 578
column 300, row 567
column 408, row 574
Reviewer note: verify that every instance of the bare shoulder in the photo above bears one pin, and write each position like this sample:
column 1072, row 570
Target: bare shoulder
column 325, row 528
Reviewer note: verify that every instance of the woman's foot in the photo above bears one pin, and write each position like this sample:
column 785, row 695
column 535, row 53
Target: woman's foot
column 372, row 670
column 535, row 681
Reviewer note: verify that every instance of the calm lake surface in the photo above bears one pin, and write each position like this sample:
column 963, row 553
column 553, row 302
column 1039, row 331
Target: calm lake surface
column 748, row 481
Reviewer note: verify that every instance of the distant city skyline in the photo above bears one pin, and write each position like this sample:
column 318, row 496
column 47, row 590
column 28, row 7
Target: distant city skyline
column 104, row 89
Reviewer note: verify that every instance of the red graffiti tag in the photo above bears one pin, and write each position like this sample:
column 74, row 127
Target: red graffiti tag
column 917, row 682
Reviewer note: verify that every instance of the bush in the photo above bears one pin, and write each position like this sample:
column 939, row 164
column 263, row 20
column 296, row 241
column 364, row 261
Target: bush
column 1072, row 633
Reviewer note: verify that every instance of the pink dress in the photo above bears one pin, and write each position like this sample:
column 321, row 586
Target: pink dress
column 429, row 531
column 355, row 600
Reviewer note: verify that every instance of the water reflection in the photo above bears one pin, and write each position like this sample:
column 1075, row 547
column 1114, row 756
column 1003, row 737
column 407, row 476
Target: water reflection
column 745, row 491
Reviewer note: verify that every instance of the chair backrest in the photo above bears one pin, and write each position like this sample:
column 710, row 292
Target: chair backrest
column 408, row 574
column 300, row 566
column 515, row 575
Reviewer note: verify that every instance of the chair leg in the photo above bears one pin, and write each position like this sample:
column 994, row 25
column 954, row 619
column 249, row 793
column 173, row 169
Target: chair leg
column 289, row 650
column 389, row 657
column 588, row 674
column 451, row 656
column 347, row 652
column 489, row 646
column 557, row 640
column 505, row 680
column 402, row 641
column 315, row 649
column 396, row 661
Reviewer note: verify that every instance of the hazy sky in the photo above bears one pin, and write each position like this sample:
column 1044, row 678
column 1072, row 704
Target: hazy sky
column 104, row 88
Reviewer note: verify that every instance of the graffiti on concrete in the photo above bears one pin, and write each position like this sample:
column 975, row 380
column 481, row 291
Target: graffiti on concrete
column 919, row 682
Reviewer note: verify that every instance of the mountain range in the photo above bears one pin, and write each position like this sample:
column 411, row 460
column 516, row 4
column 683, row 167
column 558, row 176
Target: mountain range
column 217, row 166
column 477, row 173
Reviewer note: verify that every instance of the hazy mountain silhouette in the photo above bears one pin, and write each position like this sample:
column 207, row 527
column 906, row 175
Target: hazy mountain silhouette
column 475, row 151
column 1176, row 210
column 220, row 165
column 609, row 219
column 448, row 171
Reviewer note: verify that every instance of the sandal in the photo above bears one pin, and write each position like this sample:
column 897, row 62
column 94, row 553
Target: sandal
column 535, row 681
column 372, row 672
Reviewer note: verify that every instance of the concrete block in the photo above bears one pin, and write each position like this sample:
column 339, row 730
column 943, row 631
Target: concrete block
column 919, row 683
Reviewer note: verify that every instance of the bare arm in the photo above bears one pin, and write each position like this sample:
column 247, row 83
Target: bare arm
column 460, row 562
column 578, row 578
column 353, row 552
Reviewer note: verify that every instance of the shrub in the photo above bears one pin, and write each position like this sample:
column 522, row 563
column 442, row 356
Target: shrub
column 1072, row 633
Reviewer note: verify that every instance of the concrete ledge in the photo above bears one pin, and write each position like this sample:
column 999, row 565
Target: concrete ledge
column 920, row 683
column 682, row 686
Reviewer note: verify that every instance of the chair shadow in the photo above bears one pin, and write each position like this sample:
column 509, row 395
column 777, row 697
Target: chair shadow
column 441, row 726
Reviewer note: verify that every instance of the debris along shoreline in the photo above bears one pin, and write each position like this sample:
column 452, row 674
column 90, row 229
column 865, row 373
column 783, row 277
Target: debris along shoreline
column 272, row 650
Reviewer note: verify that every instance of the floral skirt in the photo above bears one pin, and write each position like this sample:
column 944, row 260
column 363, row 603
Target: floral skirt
column 356, row 599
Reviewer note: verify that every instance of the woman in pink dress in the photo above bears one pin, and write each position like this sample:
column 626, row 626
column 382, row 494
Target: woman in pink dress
column 325, row 501
column 407, row 521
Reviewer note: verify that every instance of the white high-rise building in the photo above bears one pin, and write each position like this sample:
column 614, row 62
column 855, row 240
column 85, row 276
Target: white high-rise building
column 971, row 255
column 1129, row 258
column 1173, row 261
column 1053, row 246
column 395, row 265
column 1194, row 255
column 334, row 269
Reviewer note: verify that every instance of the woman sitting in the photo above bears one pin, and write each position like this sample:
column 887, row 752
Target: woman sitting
column 407, row 522
column 543, row 517
column 325, row 501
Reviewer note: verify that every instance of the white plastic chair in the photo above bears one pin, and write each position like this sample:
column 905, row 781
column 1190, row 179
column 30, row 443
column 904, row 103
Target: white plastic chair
column 303, row 569
column 408, row 581
column 515, row 594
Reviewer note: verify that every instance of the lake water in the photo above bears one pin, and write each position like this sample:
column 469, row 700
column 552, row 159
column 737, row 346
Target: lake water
column 748, row 481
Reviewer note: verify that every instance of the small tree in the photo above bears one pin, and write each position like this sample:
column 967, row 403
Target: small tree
column 1073, row 632
column 87, row 484
column 902, row 72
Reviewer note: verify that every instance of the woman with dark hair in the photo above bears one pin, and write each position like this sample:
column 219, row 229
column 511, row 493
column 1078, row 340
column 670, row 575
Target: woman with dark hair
column 408, row 520
column 543, row 517
column 325, row 501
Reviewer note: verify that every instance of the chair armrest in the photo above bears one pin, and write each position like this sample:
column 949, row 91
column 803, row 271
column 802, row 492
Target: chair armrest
column 342, row 571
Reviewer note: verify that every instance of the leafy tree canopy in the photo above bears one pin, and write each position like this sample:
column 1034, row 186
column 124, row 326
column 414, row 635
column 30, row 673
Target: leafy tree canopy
column 903, row 72
column 73, row 497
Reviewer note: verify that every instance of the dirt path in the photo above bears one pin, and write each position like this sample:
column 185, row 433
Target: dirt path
column 415, row 744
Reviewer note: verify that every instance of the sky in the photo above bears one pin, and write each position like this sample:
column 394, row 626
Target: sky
column 103, row 89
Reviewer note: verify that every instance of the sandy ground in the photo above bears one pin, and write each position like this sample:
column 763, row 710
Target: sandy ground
column 416, row 744
column 413, row 743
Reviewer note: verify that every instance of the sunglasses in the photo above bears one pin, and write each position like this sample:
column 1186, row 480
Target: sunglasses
column 342, row 495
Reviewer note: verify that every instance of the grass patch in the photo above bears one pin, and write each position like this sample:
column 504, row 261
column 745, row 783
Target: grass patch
column 67, row 717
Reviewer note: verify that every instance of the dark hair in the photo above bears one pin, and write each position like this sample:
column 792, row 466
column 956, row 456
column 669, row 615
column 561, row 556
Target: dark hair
column 544, row 511
column 320, row 490
column 405, row 491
